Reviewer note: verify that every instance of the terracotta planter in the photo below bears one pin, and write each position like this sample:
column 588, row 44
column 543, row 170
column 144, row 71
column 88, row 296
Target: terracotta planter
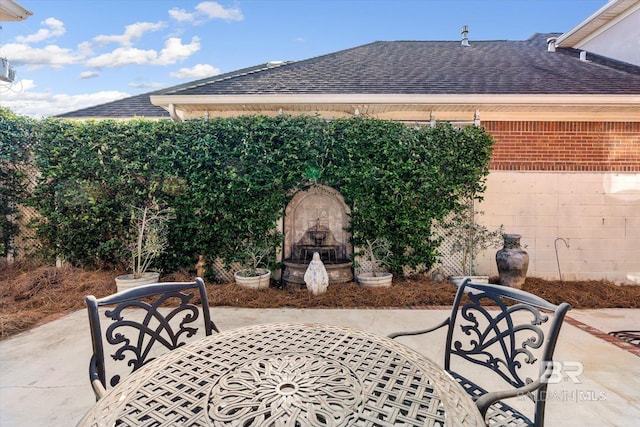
column 127, row 281
column 513, row 262
column 381, row 280
column 261, row 281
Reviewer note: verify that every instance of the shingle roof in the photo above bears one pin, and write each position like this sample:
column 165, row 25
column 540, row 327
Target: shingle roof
column 412, row 67
column 140, row 105
column 133, row 106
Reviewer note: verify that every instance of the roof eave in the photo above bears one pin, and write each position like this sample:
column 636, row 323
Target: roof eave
column 12, row 11
column 595, row 23
column 409, row 107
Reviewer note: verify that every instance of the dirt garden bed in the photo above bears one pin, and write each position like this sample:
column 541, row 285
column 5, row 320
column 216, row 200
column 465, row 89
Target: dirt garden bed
column 30, row 296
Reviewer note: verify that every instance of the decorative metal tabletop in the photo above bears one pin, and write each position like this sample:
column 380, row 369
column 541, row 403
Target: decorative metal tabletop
column 288, row 375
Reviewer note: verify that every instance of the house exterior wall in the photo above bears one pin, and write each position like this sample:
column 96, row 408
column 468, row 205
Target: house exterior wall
column 619, row 40
column 576, row 181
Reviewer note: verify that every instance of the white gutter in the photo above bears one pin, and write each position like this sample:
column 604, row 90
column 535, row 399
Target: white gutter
column 444, row 99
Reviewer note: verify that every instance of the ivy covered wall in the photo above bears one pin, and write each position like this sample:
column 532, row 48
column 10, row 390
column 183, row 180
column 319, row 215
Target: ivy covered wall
column 229, row 180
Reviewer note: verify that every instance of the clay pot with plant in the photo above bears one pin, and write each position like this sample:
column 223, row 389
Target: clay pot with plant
column 255, row 254
column 148, row 242
column 376, row 253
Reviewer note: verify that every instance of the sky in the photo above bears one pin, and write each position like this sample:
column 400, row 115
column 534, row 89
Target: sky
column 72, row 54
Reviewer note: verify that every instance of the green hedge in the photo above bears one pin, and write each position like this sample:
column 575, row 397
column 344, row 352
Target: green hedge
column 229, row 179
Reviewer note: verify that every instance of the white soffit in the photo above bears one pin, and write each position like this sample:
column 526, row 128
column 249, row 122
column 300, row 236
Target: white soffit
column 625, row 106
column 598, row 22
column 12, row 11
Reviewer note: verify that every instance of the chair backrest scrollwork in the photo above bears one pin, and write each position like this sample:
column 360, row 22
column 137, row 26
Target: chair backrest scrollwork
column 137, row 329
column 508, row 331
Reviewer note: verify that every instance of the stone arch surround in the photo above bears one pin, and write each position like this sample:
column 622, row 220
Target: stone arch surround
column 317, row 203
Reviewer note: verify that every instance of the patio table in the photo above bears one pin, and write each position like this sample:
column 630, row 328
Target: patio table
column 288, row 375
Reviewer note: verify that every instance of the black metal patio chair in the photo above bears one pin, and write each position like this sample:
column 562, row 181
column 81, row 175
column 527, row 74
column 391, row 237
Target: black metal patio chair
column 137, row 330
column 497, row 335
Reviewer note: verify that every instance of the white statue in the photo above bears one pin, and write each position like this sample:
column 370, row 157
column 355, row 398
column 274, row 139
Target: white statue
column 316, row 276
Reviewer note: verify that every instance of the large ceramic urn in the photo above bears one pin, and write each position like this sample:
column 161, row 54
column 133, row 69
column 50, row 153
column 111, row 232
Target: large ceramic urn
column 513, row 262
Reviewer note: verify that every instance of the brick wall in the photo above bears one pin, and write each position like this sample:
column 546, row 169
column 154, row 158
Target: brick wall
column 565, row 146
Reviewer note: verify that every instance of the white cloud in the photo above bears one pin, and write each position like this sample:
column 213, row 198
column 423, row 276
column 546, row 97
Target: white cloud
column 85, row 49
column 173, row 52
column 181, row 15
column 89, row 74
column 22, row 100
column 51, row 55
column 198, row 71
column 54, row 28
column 147, row 85
column 132, row 32
column 122, row 56
column 213, row 10
column 206, row 11
column 17, row 87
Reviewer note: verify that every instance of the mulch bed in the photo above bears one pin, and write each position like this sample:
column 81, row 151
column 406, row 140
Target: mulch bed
column 33, row 295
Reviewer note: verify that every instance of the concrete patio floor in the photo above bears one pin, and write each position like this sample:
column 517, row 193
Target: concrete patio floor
column 44, row 372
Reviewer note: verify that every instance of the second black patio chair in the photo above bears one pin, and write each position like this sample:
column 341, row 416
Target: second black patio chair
column 498, row 335
column 138, row 330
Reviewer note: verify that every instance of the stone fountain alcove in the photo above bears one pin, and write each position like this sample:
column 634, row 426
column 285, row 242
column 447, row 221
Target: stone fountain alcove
column 315, row 220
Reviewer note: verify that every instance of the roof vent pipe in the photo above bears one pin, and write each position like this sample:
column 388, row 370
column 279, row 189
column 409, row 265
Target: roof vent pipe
column 583, row 55
column 465, row 32
column 551, row 44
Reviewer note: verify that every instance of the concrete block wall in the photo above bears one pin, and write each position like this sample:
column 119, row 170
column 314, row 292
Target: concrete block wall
column 596, row 214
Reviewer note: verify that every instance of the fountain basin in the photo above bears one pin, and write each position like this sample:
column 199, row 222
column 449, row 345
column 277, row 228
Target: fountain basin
column 339, row 272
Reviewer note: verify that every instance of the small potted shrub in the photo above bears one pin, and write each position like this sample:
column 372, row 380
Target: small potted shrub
column 377, row 254
column 149, row 240
column 254, row 256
